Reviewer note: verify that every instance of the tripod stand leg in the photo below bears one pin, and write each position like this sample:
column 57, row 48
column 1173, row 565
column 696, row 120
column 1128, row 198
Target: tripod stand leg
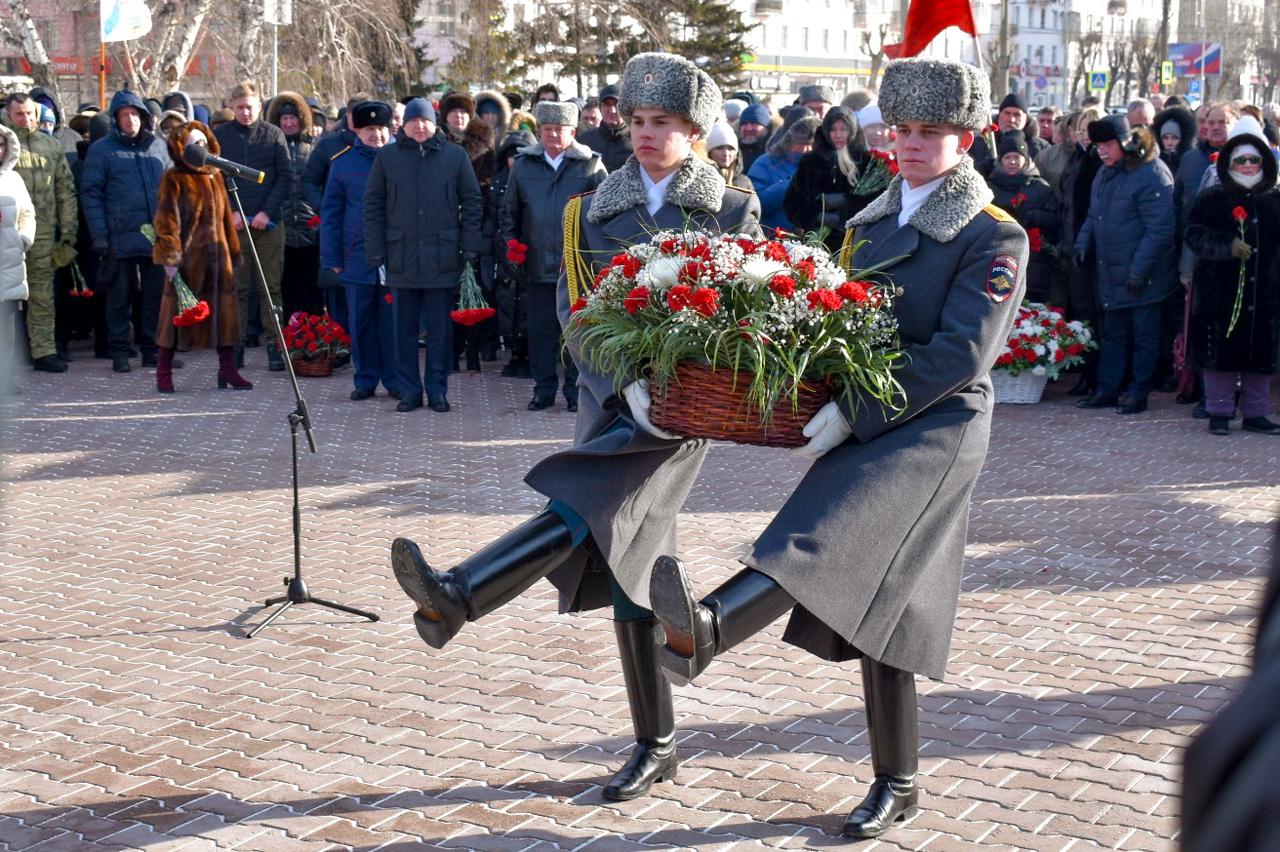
column 270, row 618
column 343, row 608
column 274, row 601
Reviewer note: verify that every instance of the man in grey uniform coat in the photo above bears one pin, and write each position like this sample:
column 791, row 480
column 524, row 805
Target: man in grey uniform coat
column 614, row 497
column 867, row 552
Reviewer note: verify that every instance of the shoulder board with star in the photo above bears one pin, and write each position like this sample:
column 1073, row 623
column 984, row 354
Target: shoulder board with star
column 340, row 153
column 998, row 214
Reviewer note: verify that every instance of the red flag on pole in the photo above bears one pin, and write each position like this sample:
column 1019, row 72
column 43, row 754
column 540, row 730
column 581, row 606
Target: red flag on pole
column 927, row 18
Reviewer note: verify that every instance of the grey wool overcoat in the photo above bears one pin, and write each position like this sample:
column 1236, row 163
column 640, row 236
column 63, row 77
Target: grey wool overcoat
column 626, row 484
column 871, row 542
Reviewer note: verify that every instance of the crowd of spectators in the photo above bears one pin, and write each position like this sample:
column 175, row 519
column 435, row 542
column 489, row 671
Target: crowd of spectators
column 372, row 213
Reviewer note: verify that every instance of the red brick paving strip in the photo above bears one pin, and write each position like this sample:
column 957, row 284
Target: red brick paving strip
column 1114, row 566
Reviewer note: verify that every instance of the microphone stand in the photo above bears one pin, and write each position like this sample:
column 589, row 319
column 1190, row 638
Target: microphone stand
column 296, row 588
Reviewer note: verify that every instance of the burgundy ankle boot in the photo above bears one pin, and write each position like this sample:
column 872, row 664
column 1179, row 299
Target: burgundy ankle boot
column 164, row 369
column 227, row 374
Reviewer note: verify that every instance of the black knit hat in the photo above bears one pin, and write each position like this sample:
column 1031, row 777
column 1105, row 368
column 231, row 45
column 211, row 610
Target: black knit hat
column 610, row 91
column 1012, row 142
column 1111, row 128
column 1013, row 99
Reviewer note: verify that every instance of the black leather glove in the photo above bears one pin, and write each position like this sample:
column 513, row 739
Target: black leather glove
column 833, row 201
column 1135, row 286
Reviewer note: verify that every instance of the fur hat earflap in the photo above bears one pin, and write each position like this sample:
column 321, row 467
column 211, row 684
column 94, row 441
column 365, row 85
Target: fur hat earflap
column 671, row 83
column 935, row 91
column 556, row 112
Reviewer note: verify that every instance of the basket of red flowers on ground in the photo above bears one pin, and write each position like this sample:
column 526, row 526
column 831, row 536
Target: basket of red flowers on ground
column 314, row 342
column 1041, row 345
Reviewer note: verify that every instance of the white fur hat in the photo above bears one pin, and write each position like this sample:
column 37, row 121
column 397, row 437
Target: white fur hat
column 935, row 91
column 555, row 112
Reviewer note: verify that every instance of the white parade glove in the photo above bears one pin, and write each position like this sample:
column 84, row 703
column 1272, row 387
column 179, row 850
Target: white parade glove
column 827, row 430
column 637, row 396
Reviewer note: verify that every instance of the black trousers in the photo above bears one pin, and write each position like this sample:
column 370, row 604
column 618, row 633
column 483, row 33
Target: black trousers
column 432, row 306
column 298, row 283
column 134, row 275
column 545, row 351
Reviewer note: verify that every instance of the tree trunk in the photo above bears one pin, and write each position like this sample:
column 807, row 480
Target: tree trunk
column 33, row 48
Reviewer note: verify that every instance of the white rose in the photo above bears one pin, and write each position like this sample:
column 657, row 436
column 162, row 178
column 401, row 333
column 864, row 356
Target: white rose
column 660, row 274
column 759, row 271
column 1038, row 349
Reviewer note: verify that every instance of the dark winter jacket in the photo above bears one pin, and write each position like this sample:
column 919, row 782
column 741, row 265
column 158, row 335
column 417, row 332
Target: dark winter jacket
column 1187, row 127
column 317, row 169
column 1029, row 199
column 613, row 144
column 750, row 152
column 259, row 146
column 820, row 194
column 1129, row 232
column 1075, row 188
column 1254, row 344
column 342, row 217
column 295, row 213
column 771, row 174
column 477, row 141
column 65, row 135
column 983, row 153
column 533, row 210
column 120, row 183
column 422, row 213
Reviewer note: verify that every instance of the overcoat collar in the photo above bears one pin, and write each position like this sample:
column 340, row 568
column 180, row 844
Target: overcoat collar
column 697, row 185
column 951, row 206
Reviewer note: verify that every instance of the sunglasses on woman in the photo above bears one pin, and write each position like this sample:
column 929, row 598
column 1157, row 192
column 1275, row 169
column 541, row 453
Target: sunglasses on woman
column 1247, row 160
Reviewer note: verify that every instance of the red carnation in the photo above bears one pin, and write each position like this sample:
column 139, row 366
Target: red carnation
column 629, row 264
column 86, row 293
column 690, row 272
column 854, row 291
column 1059, row 355
column 807, row 268
column 312, row 346
column 678, row 297
column 823, row 299
column 701, row 251
column 1017, row 200
column 313, row 222
column 783, row 285
column 517, row 252
column 578, row 305
column 637, row 300
column 670, row 245
column 1239, row 214
column 1034, row 237
column 776, row 251
column 388, row 298
column 1213, row 157
column 747, row 245
column 705, row 300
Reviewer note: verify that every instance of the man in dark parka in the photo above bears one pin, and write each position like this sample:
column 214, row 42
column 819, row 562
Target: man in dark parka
column 614, row 497
column 543, row 178
column 868, row 551
column 422, row 219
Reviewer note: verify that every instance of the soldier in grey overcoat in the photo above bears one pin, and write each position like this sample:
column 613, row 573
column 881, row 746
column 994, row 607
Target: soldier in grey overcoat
column 615, row 495
column 867, row 552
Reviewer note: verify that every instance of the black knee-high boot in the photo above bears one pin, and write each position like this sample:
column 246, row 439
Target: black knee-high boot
column 483, row 581
column 893, row 730
column 649, row 695
column 697, row 631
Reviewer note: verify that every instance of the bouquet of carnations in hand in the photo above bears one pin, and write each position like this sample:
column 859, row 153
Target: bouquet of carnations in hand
column 1043, row 342
column 309, row 337
column 472, row 308
column 776, row 325
column 191, row 311
column 877, row 173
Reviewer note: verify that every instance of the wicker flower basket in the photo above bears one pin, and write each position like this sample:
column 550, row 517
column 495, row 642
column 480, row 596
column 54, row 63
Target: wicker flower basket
column 703, row 403
column 320, row 367
column 1022, row 389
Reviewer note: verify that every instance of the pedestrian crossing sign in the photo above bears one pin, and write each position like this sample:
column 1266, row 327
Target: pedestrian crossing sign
column 1098, row 81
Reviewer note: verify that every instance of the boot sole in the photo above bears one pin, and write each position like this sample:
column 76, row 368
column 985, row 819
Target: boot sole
column 422, row 585
column 905, row 814
column 672, row 600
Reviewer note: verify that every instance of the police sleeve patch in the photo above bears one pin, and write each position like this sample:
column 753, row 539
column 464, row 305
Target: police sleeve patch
column 1002, row 277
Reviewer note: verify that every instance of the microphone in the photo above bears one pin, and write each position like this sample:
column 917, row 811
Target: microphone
column 198, row 155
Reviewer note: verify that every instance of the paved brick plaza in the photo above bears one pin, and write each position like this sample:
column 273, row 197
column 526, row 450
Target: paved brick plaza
column 1114, row 567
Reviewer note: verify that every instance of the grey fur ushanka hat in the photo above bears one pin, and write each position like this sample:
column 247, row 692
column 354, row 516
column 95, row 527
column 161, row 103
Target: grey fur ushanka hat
column 937, row 92
column 672, row 83
column 556, row 112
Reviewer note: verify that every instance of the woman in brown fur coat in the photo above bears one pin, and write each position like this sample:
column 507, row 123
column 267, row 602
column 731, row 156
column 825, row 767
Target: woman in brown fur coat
column 195, row 236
